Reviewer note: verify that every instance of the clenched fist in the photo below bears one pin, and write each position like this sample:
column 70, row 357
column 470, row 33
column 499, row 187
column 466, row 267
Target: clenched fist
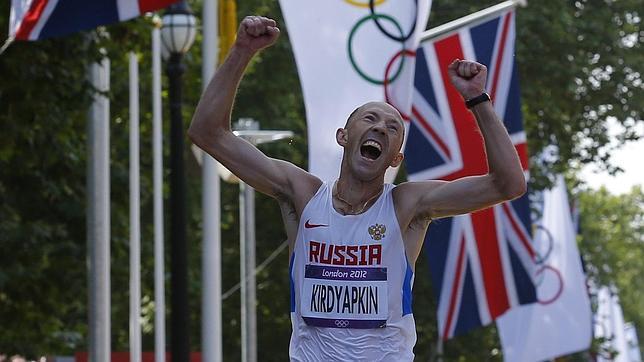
column 468, row 77
column 256, row 33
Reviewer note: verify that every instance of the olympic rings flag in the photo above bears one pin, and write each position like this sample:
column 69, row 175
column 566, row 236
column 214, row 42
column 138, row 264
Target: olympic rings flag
column 349, row 52
column 560, row 323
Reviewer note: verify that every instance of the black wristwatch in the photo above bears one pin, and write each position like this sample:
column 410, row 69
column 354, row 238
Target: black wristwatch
column 476, row 100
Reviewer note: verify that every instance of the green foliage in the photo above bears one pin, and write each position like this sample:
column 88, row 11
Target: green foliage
column 612, row 245
column 43, row 286
column 580, row 63
column 45, row 97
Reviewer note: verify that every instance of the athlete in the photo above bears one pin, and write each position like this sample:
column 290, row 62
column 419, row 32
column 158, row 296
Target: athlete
column 354, row 242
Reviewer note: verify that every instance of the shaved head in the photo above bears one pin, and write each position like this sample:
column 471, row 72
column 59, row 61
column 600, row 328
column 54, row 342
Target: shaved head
column 370, row 105
column 384, row 106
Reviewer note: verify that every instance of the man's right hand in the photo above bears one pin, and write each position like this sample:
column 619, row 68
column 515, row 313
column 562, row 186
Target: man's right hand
column 256, row 33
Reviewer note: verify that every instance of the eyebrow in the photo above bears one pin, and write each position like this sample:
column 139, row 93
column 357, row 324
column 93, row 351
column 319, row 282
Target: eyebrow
column 370, row 113
column 399, row 122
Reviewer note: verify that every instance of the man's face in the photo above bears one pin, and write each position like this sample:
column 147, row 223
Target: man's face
column 372, row 139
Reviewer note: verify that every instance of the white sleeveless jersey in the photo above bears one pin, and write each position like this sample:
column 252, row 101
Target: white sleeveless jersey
column 350, row 284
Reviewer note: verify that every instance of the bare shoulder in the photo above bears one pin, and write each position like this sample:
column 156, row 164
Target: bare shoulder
column 302, row 185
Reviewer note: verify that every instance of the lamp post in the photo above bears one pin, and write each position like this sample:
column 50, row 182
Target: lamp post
column 177, row 35
column 248, row 129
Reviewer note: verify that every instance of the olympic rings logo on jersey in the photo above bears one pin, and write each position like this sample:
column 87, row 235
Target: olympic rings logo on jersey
column 341, row 323
column 402, row 36
column 541, row 257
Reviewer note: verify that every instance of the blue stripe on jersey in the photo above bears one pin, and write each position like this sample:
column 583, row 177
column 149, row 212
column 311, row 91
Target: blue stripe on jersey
column 406, row 291
column 291, row 283
column 73, row 15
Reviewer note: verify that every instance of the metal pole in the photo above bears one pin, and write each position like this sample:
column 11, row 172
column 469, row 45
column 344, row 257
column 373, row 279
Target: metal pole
column 135, row 219
column 247, row 272
column 243, row 291
column 477, row 17
column 439, row 349
column 247, row 257
column 157, row 175
column 178, row 240
column 98, row 215
column 251, row 299
column 211, row 331
column 248, row 129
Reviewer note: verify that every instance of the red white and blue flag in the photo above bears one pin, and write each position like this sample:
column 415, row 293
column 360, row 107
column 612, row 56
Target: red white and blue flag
column 40, row 19
column 482, row 263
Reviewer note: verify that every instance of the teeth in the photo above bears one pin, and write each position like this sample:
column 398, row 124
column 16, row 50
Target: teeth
column 374, row 144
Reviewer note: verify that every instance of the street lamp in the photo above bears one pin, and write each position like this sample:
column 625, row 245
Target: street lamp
column 177, row 35
column 248, row 129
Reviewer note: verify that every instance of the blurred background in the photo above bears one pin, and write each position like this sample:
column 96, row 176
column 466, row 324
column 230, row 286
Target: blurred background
column 580, row 65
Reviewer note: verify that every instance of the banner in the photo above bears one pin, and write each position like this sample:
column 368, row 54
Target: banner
column 610, row 326
column 633, row 342
column 560, row 323
column 482, row 263
column 350, row 52
column 40, row 19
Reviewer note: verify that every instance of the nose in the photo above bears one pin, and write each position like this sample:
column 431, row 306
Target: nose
column 380, row 127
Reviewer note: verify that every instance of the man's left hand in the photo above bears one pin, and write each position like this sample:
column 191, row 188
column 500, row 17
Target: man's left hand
column 468, row 77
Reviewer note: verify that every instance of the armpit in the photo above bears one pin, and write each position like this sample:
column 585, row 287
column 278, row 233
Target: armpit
column 289, row 216
column 420, row 222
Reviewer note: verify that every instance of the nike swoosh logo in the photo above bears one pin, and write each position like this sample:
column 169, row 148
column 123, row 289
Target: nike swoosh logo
column 308, row 225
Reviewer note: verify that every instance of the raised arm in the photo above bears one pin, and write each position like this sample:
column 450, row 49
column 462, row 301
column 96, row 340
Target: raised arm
column 210, row 127
column 504, row 180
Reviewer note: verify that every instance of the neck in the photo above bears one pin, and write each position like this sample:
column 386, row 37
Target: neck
column 352, row 196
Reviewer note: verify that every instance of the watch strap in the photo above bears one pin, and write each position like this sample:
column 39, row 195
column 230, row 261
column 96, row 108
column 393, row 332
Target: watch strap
column 476, row 100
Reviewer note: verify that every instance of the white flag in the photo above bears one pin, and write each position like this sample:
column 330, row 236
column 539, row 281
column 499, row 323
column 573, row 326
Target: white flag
column 633, row 343
column 560, row 323
column 609, row 324
column 350, row 52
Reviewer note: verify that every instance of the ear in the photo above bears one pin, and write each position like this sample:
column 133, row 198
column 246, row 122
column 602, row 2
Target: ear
column 341, row 136
column 398, row 159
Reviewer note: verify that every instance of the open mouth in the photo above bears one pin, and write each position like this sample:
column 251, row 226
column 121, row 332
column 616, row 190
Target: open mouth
column 371, row 150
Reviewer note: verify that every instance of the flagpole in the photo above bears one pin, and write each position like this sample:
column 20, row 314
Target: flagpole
column 211, row 256
column 471, row 19
column 6, row 44
column 157, row 177
column 98, row 214
column 135, row 219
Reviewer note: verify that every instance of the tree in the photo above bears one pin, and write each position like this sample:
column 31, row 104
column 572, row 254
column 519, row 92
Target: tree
column 612, row 246
column 581, row 64
column 43, row 278
column 43, row 288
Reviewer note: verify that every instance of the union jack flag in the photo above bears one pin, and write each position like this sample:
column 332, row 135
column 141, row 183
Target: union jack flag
column 481, row 263
column 40, row 19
